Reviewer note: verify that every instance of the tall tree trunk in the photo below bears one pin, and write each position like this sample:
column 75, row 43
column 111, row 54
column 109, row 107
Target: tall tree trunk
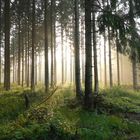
column 66, row 61
column 39, row 70
column 7, row 46
column 54, row 39
column 28, row 55
column 83, row 50
column 0, row 40
column 110, row 58
column 26, row 52
column 13, row 61
column 105, row 60
column 62, row 50
column 33, row 47
column 105, row 67
column 19, row 51
column 88, row 69
column 46, row 49
column 118, row 57
column 77, row 51
column 35, row 69
column 71, row 64
column 52, row 44
column 96, row 82
column 133, row 25
column 22, row 60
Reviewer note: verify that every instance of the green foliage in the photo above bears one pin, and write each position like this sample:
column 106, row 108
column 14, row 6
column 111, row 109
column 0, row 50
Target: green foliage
column 120, row 99
column 10, row 107
column 63, row 118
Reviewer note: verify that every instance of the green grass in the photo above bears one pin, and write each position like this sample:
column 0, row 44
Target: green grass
column 62, row 117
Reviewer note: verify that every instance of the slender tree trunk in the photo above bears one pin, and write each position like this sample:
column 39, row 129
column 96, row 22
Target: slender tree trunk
column 62, row 58
column 28, row 45
column 13, row 61
column 25, row 48
column 39, row 70
column 7, row 46
column 54, row 41
column 33, row 47
column 110, row 58
column 105, row 60
column 118, row 61
column 19, row 51
column 71, row 66
column 46, row 49
column 0, row 40
column 83, row 50
column 133, row 25
column 77, row 51
column 88, row 63
column 96, row 82
column 35, row 69
column 66, row 62
column 105, row 67
column 22, row 60
column 28, row 55
column 100, row 63
column 52, row 44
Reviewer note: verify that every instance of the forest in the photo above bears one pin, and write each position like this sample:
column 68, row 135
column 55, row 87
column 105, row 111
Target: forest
column 69, row 69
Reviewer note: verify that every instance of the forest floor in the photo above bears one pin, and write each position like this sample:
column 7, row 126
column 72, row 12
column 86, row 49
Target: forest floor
column 62, row 117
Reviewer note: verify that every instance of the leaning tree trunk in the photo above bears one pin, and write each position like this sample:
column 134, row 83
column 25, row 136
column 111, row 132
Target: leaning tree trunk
column 88, row 51
column 7, row 46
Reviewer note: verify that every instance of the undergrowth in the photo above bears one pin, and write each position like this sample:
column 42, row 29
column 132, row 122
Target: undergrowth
column 62, row 117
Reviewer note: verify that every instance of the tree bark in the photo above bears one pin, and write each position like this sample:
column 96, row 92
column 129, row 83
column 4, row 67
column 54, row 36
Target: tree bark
column 88, row 69
column 110, row 58
column 7, row 46
column 62, row 50
column 105, row 67
column 22, row 60
column 0, row 40
column 133, row 50
column 33, row 47
column 46, row 49
column 96, row 82
column 19, row 50
column 118, row 61
column 52, row 44
column 77, row 52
